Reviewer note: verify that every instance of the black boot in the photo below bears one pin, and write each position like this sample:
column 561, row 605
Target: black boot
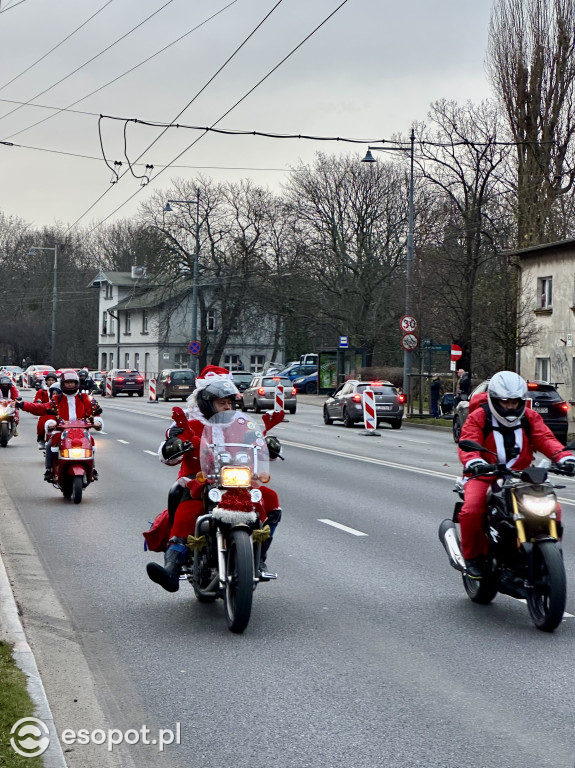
column 168, row 577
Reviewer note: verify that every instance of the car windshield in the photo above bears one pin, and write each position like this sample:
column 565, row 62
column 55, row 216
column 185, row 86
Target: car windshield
column 378, row 389
column 275, row 381
column 182, row 377
column 242, row 378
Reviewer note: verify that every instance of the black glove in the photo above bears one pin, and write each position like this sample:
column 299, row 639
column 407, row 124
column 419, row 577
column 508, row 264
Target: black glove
column 274, row 447
column 568, row 466
column 175, row 431
column 476, row 467
column 20, row 403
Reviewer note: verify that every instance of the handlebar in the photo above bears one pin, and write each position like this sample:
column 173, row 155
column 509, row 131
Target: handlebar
column 502, row 470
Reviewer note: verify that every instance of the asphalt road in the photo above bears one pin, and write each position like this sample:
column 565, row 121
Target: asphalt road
column 365, row 652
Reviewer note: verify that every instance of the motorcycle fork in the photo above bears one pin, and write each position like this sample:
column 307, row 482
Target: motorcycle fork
column 222, row 560
column 518, row 520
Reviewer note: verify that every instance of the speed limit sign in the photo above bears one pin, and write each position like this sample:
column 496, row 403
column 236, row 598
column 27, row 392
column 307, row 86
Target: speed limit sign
column 409, row 341
column 408, row 324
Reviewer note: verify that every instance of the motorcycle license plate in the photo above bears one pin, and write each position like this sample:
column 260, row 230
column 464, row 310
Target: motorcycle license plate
column 541, row 410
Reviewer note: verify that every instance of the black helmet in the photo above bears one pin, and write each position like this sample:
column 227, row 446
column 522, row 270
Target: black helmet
column 215, row 390
column 50, row 375
column 274, row 446
column 5, row 384
column 82, row 374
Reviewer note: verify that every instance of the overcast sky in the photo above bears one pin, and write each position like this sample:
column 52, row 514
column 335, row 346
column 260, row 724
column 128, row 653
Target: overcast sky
column 369, row 72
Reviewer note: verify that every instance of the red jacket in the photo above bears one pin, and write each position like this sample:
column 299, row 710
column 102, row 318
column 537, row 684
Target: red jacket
column 12, row 395
column 82, row 403
column 539, row 438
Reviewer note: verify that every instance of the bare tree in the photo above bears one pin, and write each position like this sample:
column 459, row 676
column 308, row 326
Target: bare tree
column 531, row 61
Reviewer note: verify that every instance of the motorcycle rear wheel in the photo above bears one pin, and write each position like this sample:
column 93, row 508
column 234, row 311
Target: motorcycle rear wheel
column 546, row 601
column 480, row 591
column 77, row 489
column 239, row 590
column 4, row 434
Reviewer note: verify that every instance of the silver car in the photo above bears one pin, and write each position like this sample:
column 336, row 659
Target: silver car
column 261, row 393
column 346, row 403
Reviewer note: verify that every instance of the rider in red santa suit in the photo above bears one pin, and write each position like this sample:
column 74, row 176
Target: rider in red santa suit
column 500, row 421
column 9, row 391
column 67, row 405
column 44, row 395
column 215, row 392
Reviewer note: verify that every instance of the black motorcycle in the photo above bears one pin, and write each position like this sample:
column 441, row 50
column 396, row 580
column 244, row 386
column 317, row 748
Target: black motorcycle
column 525, row 559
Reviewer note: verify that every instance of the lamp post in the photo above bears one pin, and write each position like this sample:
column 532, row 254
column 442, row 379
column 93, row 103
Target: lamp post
column 369, row 158
column 169, row 208
column 31, row 252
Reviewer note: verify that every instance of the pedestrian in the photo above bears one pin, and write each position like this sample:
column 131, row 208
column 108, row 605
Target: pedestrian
column 436, row 390
column 463, row 385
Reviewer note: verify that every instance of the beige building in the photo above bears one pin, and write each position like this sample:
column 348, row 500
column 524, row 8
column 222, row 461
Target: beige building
column 548, row 306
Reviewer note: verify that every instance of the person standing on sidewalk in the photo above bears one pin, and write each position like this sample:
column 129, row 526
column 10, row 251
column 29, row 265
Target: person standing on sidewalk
column 436, row 390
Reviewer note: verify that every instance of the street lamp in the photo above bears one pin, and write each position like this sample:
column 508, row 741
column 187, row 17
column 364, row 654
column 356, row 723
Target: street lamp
column 31, row 252
column 169, row 208
column 369, row 158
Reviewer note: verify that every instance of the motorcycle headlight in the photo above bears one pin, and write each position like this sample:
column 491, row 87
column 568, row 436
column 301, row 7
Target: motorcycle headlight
column 75, row 453
column 236, row 477
column 542, row 506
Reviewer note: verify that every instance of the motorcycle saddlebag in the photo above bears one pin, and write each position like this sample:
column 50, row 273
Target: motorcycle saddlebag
column 158, row 536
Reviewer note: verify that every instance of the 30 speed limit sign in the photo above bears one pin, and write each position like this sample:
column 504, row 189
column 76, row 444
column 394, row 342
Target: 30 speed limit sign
column 409, row 341
column 408, row 324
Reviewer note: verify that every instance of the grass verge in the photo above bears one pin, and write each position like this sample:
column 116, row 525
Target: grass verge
column 431, row 420
column 14, row 704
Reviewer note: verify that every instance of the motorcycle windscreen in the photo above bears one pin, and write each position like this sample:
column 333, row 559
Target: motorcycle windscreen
column 232, row 439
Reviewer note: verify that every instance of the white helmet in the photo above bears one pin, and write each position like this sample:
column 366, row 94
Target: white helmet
column 507, row 385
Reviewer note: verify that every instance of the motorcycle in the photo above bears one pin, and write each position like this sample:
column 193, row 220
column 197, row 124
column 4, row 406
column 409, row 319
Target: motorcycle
column 7, row 420
column 234, row 462
column 525, row 558
column 73, row 458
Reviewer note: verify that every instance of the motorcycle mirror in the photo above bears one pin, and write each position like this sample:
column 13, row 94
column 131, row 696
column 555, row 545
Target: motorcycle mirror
column 570, row 445
column 470, row 445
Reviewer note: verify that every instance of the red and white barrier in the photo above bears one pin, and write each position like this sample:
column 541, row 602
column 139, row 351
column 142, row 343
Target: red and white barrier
column 279, row 398
column 108, row 387
column 25, row 381
column 369, row 414
column 153, row 398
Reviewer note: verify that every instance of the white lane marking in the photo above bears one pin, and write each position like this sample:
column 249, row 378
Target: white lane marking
column 523, row 600
column 152, row 453
column 343, row 527
column 103, row 433
column 125, row 442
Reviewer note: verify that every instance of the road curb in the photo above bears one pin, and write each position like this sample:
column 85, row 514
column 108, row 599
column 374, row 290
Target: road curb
column 12, row 631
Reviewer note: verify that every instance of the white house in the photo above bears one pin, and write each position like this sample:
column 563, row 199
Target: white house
column 547, row 288
column 145, row 324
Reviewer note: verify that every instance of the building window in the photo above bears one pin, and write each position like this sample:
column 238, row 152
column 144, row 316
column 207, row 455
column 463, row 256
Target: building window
column 128, row 321
column 256, row 363
column 232, row 362
column 211, row 320
column 542, row 369
column 104, row 361
column 145, row 321
column 127, row 360
column 111, row 324
column 137, row 361
column 111, row 361
column 544, row 292
column 109, row 291
column 181, row 360
column 104, row 323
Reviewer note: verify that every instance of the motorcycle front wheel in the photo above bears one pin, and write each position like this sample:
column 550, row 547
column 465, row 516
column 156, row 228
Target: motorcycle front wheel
column 546, row 600
column 77, row 489
column 240, row 580
column 4, row 434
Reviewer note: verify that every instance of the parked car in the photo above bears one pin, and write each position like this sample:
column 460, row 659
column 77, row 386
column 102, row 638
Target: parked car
column 242, row 379
column 346, row 403
column 125, row 381
column 544, row 399
column 260, row 395
column 175, row 382
column 14, row 370
column 297, row 370
column 36, row 374
column 306, row 384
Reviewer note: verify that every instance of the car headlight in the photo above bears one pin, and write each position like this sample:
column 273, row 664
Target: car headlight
column 236, row 477
column 298, row 381
column 542, row 506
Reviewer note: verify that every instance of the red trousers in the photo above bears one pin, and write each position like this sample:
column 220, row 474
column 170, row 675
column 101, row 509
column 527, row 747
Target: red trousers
column 188, row 511
column 472, row 518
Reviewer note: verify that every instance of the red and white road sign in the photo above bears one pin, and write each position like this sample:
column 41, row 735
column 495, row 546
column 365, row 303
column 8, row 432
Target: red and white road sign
column 369, row 415
column 409, row 341
column 279, row 398
column 152, row 393
column 456, row 352
column 408, row 324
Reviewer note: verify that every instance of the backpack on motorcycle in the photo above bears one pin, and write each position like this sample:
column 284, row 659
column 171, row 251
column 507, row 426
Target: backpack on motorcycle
column 158, row 536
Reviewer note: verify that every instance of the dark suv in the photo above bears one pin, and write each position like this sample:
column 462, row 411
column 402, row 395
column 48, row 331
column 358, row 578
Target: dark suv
column 346, row 403
column 544, row 399
column 126, row 381
column 175, row 382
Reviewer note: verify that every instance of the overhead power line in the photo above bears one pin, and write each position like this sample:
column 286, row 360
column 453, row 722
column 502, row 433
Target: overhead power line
column 9, row 8
column 89, row 61
column 16, row 77
column 59, row 110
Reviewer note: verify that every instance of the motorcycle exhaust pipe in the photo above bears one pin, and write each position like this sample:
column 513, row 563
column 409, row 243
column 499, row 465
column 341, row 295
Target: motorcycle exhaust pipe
column 450, row 541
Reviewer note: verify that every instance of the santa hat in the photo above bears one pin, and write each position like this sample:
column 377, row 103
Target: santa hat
column 211, row 373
